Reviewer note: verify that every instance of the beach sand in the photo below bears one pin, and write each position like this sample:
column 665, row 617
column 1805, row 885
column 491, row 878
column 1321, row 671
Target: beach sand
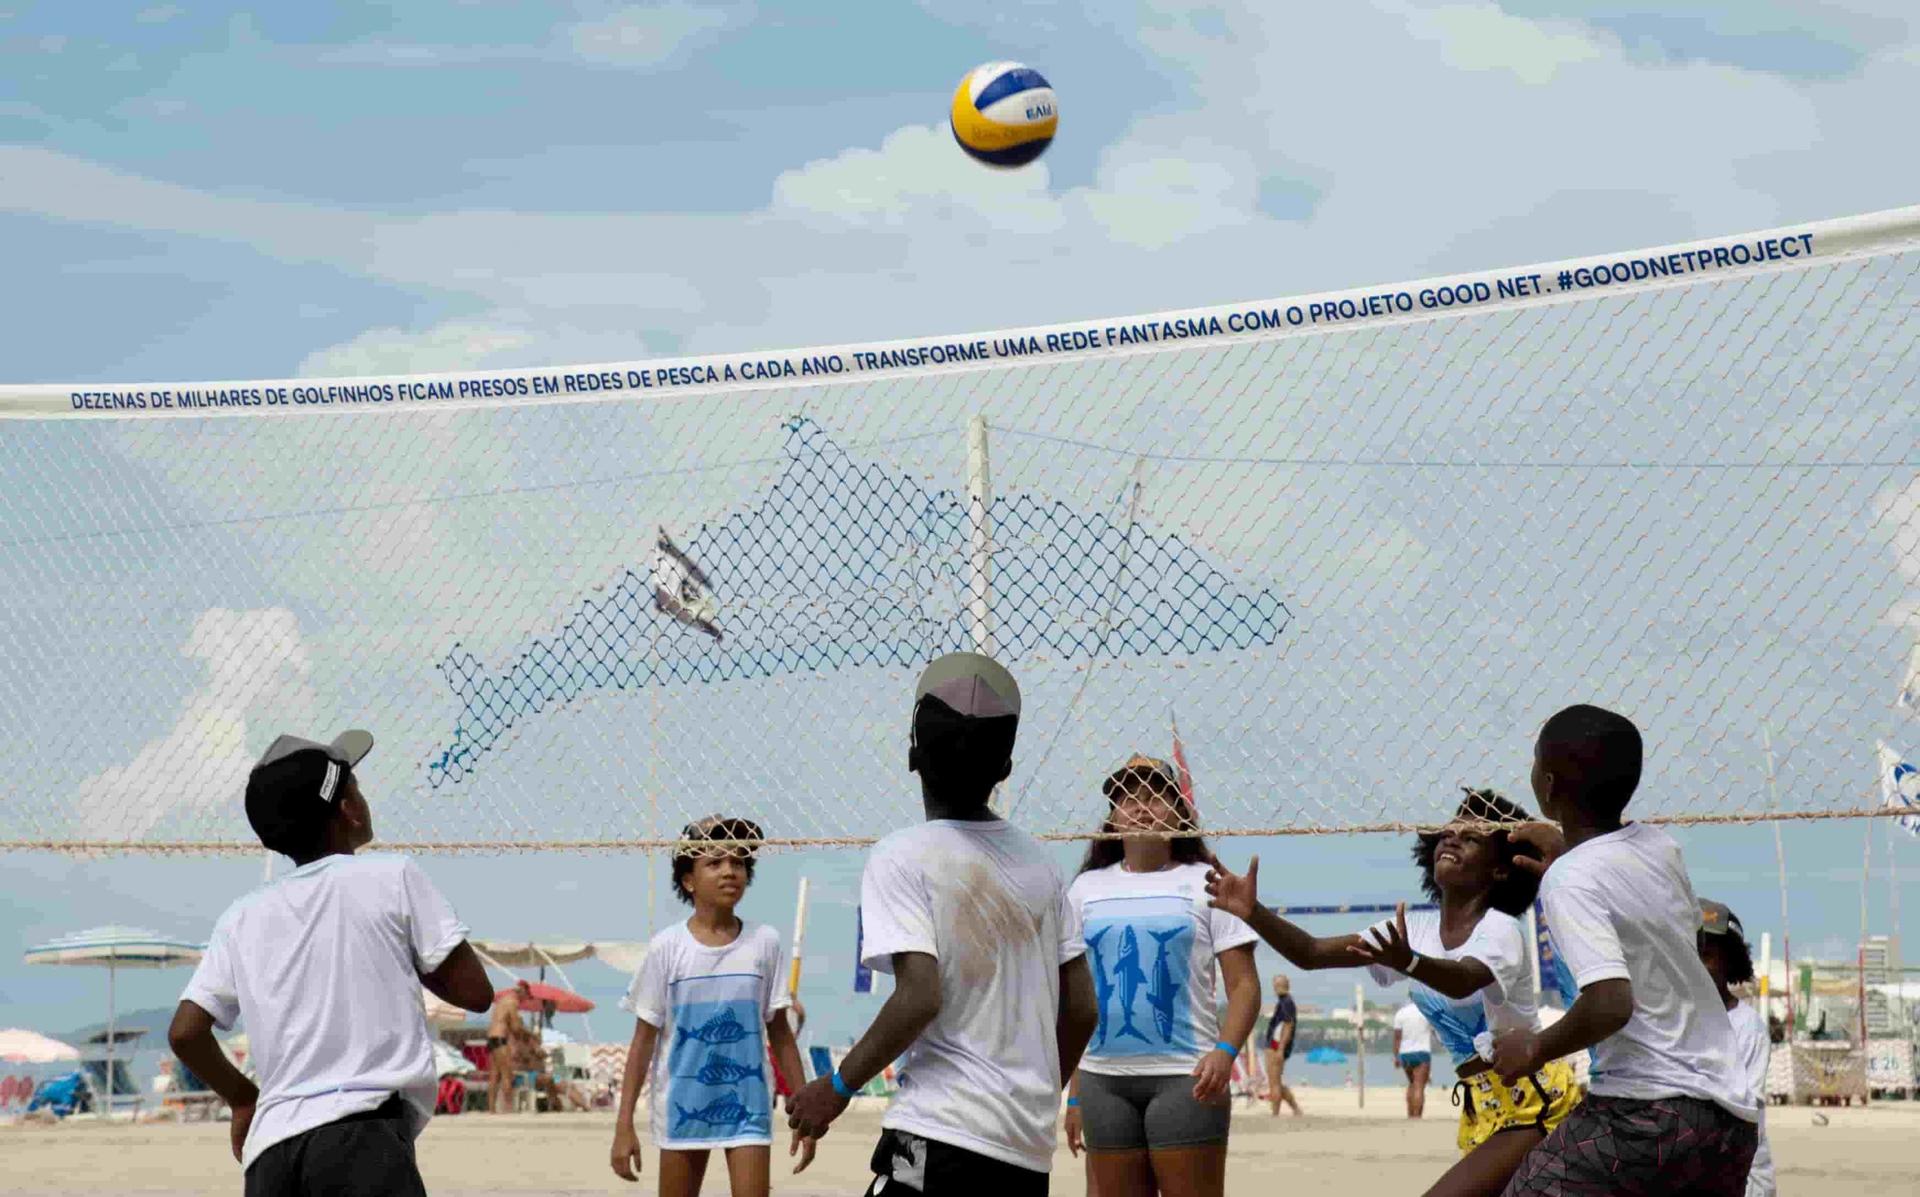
column 1336, row 1150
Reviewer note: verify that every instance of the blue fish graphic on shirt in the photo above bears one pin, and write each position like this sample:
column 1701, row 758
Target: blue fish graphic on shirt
column 1102, row 984
column 1129, row 977
column 722, row 1111
column 722, row 1028
column 718, row 1070
column 1164, row 991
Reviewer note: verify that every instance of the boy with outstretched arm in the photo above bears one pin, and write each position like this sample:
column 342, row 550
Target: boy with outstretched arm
column 1669, row 1109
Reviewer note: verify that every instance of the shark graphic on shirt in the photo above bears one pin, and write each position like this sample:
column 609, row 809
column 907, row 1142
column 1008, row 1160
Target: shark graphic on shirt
column 1129, row 977
column 1102, row 984
column 1163, row 991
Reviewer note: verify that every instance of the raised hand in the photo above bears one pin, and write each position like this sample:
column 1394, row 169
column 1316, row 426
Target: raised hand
column 1388, row 948
column 1232, row 892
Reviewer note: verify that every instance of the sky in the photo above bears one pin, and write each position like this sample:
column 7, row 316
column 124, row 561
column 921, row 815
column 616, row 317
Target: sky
column 192, row 191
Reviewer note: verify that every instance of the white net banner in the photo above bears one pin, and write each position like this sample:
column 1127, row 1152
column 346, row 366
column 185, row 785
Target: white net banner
column 1358, row 546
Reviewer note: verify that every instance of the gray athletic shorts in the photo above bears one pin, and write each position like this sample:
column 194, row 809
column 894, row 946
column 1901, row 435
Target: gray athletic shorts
column 1134, row 1113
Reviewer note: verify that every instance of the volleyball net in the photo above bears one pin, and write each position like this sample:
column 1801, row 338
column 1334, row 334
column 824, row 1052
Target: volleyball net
column 1346, row 551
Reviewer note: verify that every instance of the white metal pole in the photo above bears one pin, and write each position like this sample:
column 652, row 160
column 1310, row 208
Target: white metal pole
column 980, row 549
column 1360, row 1040
column 108, row 1099
column 1780, row 857
column 980, row 530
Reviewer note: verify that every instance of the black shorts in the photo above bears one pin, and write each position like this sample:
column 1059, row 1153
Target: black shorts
column 935, row 1169
column 369, row 1153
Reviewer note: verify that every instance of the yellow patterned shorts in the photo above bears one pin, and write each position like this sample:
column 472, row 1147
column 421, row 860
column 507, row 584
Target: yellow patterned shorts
column 1489, row 1106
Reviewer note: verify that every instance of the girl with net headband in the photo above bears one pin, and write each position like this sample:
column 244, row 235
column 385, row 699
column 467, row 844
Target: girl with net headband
column 1149, row 1100
column 1468, row 972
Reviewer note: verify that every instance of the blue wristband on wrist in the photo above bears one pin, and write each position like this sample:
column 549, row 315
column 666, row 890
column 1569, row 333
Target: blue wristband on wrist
column 1232, row 1051
column 840, row 1086
column 1073, row 1103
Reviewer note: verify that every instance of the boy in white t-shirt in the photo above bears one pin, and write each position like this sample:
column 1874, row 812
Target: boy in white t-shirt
column 707, row 987
column 992, row 1001
column 1723, row 949
column 326, row 964
column 1670, row 1110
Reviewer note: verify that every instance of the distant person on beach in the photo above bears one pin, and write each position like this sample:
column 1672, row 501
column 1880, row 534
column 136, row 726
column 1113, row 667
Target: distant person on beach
column 1413, row 1052
column 1282, row 1028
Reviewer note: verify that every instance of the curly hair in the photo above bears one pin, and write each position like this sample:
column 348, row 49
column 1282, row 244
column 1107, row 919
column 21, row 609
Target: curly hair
column 1511, row 894
column 1736, row 958
column 744, row 833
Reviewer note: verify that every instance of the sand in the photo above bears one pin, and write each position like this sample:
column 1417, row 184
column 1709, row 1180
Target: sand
column 1335, row 1150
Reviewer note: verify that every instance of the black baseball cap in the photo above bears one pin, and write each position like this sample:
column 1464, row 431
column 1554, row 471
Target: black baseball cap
column 1717, row 919
column 295, row 786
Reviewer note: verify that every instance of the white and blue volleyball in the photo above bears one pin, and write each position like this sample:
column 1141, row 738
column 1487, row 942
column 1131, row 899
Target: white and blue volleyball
column 1004, row 114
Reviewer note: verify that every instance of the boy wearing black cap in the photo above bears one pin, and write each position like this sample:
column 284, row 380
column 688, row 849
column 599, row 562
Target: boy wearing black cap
column 992, row 1002
column 326, row 965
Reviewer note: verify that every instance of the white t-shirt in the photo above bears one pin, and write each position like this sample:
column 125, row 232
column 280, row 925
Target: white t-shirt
column 1621, row 906
column 325, row 964
column 1752, row 1045
column 984, row 900
column 1498, row 941
column 709, row 1078
column 1151, row 942
column 1412, row 1025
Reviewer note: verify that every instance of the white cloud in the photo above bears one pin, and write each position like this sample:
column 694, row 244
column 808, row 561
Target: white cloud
column 254, row 667
column 649, row 34
column 454, row 345
column 1427, row 162
column 1480, row 37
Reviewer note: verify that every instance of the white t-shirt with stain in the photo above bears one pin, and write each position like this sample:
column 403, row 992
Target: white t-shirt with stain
column 984, row 900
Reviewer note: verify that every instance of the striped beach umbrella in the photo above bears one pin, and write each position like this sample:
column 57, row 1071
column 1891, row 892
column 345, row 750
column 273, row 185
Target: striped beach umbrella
column 115, row 948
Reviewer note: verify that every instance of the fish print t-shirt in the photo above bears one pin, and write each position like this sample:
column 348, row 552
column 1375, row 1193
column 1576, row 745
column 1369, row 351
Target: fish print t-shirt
column 1151, row 942
column 709, row 1080
column 1509, row 1003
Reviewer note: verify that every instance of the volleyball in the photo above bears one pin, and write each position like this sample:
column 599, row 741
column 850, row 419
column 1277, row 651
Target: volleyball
column 1004, row 114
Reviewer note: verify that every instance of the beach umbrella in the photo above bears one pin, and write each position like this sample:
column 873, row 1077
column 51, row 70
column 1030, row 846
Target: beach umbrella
column 115, row 948
column 30, row 1047
column 565, row 1001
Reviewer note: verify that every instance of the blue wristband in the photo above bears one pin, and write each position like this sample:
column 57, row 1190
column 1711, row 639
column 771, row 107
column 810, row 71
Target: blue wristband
column 1233, row 1053
column 1073, row 1103
column 840, row 1086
